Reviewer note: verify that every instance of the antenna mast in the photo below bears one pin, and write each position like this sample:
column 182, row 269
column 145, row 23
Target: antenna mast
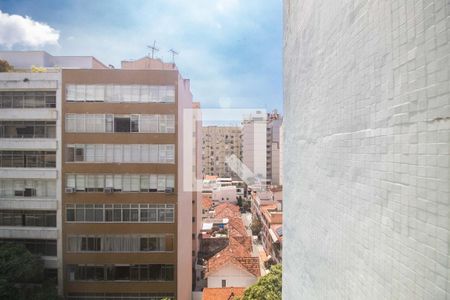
column 173, row 55
column 153, row 48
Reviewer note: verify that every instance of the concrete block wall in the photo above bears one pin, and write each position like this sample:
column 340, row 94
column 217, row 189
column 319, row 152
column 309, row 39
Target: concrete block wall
column 366, row 149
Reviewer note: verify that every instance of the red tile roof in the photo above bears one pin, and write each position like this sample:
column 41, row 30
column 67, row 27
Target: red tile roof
column 227, row 210
column 239, row 249
column 206, row 203
column 227, row 293
column 236, row 254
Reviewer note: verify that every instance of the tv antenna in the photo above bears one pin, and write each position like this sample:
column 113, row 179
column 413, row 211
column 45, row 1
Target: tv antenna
column 153, row 48
column 173, row 55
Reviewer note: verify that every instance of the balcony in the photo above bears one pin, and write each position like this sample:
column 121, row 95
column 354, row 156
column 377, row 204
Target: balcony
column 28, row 144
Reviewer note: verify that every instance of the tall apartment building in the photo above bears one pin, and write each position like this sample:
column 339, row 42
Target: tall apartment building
column 254, row 141
column 274, row 122
column 30, row 154
column 111, row 176
column 220, row 142
column 197, row 194
column 261, row 145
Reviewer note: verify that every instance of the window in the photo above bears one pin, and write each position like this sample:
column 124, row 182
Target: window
column 224, row 283
column 119, row 123
column 32, row 218
column 27, row 129
column 127, row 183
column 134, row 123
column 38, row 188
column 28, row 99
column 117, row 93
column 118, row 213
column 27, row 159
column 154, row 272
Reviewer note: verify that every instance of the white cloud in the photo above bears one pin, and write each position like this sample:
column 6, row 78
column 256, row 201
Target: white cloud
column 18, row 30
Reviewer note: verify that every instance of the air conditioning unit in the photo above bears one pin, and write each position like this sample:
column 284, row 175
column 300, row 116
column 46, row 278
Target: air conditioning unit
column 170, row 190
column 109, row 190
column 69, row 190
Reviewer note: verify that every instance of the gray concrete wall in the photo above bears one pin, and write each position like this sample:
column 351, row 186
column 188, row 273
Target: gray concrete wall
column 366, row 149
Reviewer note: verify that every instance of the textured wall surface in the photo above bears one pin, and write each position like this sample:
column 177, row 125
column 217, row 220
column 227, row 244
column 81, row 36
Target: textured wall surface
column 366, row 154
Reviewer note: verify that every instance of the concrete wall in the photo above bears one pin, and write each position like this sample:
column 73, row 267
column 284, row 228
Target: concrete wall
column 366, row 153
column 184, row 201
column 225, row 194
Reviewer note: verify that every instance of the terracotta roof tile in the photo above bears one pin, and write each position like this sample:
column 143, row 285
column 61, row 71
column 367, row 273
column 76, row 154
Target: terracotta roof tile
column 227, row 293
column 206, row 203
column 237, row 254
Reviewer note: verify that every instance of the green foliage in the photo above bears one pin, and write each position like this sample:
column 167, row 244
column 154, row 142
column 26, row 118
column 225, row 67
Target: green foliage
column 246, row 205
column 5, row 66
column 268, row 287
column 22, row 275
column 256, row 226
column 239, row 201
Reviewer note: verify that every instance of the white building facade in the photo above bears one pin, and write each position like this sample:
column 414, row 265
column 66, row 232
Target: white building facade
column 254, row 144
column 30, row 135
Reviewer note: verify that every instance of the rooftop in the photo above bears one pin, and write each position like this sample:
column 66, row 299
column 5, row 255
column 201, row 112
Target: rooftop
column 42, row 59
column 227, row 293
column 238, row 255
column 206, row 203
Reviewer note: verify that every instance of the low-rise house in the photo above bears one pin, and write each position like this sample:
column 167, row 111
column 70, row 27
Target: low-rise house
column 233, row 267
column 224, row 194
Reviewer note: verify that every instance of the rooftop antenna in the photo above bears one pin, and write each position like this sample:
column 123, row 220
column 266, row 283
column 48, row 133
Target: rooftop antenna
column 173, row 55
column 153, row 48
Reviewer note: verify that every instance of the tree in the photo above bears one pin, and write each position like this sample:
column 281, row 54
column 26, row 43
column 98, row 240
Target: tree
column 268, row 287
column 256, row 226
column 22, row 275
column 5, row 66
column 239, row 201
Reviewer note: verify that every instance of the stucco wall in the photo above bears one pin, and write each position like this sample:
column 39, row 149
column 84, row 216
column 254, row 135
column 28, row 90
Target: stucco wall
column 366, row 149
column 234, row 276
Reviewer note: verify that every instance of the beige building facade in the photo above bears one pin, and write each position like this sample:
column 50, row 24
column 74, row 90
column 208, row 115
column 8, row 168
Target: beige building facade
column 220, row 142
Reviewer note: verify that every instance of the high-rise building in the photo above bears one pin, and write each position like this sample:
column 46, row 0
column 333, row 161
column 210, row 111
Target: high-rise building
column 254, row 141
column 219, row 143
column 99, row 172
column 274, row 122
column 197, row 194
column 261, row 145
column 29, row 181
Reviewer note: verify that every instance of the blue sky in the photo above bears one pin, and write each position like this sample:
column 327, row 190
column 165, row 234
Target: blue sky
column 230, row 49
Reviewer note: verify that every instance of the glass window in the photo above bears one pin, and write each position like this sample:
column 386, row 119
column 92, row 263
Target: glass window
column 109, row 123
column 70, row 213
column 71, row 92
column 134, row 119
column 122, row 123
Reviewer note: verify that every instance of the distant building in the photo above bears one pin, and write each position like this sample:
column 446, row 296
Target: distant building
column 254, row 144
column 274, row 123
column 221, row 194
column 267, row 207
column 220, row 142
column 261, row 146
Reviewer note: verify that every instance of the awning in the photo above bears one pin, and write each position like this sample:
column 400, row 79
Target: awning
column 207, row 226
column 273, row 235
